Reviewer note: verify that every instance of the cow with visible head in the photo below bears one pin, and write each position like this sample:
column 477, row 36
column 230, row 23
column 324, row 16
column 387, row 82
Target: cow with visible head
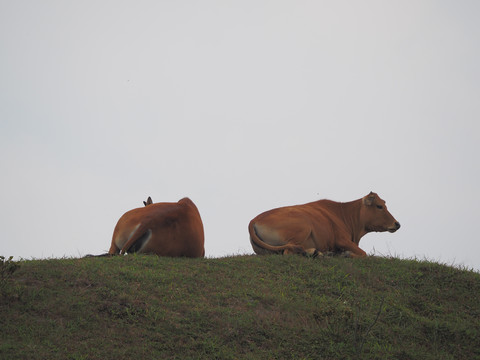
column 165, row 229
column 321, row 226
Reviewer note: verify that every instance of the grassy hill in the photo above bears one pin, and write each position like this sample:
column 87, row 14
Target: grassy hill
column 244, row 307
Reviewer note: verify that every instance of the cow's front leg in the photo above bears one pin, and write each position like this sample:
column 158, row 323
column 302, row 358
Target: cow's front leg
column 352, row 249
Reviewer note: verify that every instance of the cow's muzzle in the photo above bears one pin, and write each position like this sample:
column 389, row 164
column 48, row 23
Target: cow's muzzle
column 395, row 227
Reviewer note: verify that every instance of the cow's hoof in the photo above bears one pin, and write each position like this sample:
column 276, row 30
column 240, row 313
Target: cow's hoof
column 313, row 253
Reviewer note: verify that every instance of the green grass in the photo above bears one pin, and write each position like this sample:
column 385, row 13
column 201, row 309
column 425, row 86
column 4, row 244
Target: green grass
column 244, row 307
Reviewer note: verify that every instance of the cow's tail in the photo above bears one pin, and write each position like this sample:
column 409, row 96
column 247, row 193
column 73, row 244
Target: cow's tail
column 258, row 244
column 101, row 255
column 139, row 233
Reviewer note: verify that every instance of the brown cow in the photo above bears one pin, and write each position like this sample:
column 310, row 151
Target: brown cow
column 320, row 226
column 165, row 229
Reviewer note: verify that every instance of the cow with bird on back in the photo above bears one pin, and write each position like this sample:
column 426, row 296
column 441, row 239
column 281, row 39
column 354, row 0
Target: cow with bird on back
column 164, row 229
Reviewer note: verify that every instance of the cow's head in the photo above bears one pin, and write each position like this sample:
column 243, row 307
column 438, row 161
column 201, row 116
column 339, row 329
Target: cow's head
column 375, row 215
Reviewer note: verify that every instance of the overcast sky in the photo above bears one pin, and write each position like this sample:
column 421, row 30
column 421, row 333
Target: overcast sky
column 243, row 106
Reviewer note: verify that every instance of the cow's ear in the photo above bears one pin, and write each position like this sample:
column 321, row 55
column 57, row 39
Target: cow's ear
column 148, row 202
column 369, row 199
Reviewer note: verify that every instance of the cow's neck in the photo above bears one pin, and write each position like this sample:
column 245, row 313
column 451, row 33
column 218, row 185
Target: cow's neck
column 351, row 218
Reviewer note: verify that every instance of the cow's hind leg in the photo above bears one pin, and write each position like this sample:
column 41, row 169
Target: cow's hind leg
column 313, row 253
column 294, row 249
column 114, row 249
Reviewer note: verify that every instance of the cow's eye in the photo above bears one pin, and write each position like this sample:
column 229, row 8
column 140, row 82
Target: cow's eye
column 379, row 207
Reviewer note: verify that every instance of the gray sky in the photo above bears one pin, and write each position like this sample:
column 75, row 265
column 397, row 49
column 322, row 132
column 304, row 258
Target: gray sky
column 242, row 106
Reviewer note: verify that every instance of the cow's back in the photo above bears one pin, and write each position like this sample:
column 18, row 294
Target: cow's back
column 192, row 233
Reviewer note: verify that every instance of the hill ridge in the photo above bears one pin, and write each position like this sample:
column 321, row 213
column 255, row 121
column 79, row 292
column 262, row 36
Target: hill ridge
column 241, row 307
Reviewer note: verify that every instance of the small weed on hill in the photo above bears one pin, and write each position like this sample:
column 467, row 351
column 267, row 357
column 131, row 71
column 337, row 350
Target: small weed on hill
column 7, row 268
